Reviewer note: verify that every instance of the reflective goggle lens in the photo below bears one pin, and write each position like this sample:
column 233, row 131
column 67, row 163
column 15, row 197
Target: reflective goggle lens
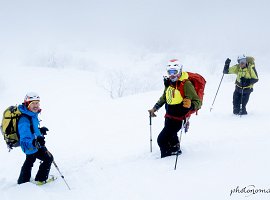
column 172, row 71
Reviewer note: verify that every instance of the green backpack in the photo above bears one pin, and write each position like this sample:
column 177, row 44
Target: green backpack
column 251, row 60
column 9, row 126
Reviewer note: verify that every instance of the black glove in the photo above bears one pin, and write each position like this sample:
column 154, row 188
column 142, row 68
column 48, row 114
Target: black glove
column 227, row 62
column 226, row 66
column 39, row 142
column 244, row 82
column 166, row 81
column 43, row 130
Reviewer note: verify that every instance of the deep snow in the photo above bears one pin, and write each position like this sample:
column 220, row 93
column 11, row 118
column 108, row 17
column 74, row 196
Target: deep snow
column 79, row 54
column 102, row 145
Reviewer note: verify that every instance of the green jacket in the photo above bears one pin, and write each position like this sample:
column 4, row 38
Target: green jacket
column 246, row 77
column 177, row 109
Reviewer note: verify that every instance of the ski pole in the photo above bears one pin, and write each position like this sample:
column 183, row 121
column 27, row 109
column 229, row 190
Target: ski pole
column 177, row 154
column 217, row 92
column 242, row 92
column 241, row 104
column 54, row 163
column 150, row 120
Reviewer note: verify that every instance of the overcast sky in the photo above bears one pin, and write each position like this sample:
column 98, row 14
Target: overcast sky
column 211, row 26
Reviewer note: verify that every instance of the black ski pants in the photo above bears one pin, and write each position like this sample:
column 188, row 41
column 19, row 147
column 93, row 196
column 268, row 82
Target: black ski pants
column 44, row 168
column 238, row 98
column 168, row 136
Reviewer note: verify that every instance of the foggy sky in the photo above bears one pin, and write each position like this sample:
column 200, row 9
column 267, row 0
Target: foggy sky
column 212, row 26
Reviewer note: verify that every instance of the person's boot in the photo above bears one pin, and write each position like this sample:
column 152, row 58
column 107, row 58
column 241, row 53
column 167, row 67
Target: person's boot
column 25, row 176
column 176, row 149
column 243, row 111
column 236, row 111
column 165, row 153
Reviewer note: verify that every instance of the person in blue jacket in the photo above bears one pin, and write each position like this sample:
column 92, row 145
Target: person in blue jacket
column 32, row 140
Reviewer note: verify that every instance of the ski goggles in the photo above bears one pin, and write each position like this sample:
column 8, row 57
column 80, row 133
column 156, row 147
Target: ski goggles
column 242, row 61
column 172, row 72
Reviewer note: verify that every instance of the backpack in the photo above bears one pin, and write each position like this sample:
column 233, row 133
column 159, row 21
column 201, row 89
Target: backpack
column 9, row 126
column 251, row 60
column 199, row 84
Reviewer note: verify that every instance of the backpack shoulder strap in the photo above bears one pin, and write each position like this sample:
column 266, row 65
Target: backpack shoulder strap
column 182, row 83
column 181, row 87
column 31, row 122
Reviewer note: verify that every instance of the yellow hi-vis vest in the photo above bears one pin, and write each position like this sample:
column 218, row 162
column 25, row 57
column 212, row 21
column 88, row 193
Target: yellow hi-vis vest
column 173, row 95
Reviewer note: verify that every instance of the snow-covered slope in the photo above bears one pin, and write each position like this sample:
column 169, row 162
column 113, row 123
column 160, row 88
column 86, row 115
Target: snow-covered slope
column 102, row 146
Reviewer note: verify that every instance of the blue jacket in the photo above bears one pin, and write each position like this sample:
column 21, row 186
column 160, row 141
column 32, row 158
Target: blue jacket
column 24, row 130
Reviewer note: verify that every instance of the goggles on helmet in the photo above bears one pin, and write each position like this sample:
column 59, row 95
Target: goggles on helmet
column 172, row 72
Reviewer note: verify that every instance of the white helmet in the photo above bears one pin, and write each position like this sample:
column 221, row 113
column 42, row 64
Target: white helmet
column 31, row 96
column 242, row 58
column 174, row 69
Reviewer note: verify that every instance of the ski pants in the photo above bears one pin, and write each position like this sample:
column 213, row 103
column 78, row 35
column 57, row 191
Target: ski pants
column 168, row 136
column 44, row 168
column 239, row 98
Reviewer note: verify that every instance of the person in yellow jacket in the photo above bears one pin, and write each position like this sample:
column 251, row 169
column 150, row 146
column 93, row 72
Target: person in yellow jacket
column 246, row 77
column 177, row 107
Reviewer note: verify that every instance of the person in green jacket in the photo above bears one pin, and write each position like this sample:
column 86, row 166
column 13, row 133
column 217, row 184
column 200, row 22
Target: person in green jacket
column 177, row 107
column 246, row 77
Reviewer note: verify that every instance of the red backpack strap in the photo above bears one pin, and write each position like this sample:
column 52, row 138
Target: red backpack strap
column 182, row 92
column 181, row 88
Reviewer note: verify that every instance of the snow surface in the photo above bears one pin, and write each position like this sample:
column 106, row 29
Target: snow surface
column 80, row 56
column 102, row 145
